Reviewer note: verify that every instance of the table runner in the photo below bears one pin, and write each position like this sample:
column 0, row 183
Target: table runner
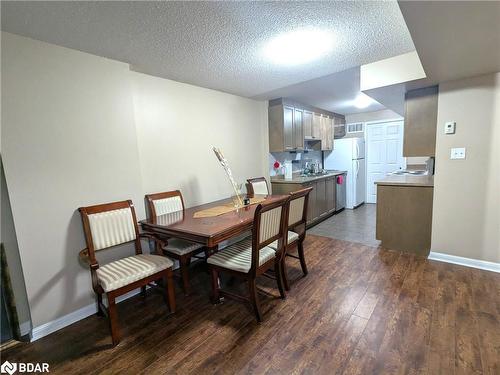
column 223, row 209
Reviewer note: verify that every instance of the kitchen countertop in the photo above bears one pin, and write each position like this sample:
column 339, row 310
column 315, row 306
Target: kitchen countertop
column 407, row 180
column 301, row 180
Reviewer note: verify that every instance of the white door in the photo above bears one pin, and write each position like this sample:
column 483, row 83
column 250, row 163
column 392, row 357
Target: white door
column 384, row 153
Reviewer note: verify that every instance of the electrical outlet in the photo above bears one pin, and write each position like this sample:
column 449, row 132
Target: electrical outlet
column 457, row 153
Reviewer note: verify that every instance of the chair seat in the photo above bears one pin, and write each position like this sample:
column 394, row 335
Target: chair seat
column 181, row 247
column 292, row 236
column 125, row 271
column 238, row 257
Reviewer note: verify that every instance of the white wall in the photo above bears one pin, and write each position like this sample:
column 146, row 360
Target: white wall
column 177, row 125
column 68, row 140
column 78, row 129
column 466, row 213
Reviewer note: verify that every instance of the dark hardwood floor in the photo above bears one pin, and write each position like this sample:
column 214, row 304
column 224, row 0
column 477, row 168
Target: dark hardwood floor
column 361, row 310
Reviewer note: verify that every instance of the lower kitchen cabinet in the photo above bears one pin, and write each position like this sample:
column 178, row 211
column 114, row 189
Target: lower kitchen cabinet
column 404, row 218
column 331, row 193
column 311, row 206
column 321, row 198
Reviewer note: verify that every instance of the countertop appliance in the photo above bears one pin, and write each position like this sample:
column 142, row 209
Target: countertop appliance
column 340, row 192
column 349, row 155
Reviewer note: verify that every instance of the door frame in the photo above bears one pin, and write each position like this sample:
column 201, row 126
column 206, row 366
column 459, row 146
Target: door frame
column 365, row 131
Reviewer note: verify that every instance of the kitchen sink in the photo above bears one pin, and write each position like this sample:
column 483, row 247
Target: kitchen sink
column 410, row 173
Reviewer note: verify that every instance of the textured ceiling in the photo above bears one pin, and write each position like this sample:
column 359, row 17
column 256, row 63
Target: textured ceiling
column 335, row 92
column 455, row 39
column 214, row 44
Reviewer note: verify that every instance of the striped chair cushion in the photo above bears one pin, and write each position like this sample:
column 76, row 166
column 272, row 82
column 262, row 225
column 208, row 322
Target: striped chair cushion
column 125, row 271
column 270, row 222
column 296, row 211
column 238, row 257
column 167, row 205
column 181, row 247
column 112, row 228
column 260, row 187
column 292, row 236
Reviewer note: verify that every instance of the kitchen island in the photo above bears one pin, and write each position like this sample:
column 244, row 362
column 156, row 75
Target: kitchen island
column 322, row 199
column 404, row 213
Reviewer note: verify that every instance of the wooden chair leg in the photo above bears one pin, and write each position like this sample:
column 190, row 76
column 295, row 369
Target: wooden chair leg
column 254, row 299
column 113, row 320
column 143, row 291
column 215, row 285
column 99, row 305
column 284, row 274
column 169, row 287
column 279, row 277
column 184, row 264
column 300, row 249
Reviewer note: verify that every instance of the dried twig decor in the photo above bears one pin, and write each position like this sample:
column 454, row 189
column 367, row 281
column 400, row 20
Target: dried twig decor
column 225, row 165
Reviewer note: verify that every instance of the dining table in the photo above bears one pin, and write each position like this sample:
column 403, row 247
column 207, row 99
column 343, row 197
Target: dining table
column 209, row 231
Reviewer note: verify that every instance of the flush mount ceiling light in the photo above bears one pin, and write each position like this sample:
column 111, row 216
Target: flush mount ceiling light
column 298, row 47
column 362, row 100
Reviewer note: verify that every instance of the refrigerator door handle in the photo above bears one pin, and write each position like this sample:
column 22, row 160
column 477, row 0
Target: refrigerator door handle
column 357, row 150
column 357, row 169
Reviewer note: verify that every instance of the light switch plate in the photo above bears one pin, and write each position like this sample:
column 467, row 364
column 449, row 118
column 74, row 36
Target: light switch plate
column 449, row 127
column 457, row 153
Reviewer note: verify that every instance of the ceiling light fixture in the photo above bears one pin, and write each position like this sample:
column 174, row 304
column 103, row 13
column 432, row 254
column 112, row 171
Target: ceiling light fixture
column 362, row 100
column 298, row 47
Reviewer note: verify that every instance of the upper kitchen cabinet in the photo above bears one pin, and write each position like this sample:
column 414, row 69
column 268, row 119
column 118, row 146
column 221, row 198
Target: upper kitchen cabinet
column 420, row 122
column 308, row 124
column 316, row 126
column 291, row 123
column 285, row 128
column 326, row 133
column 298, row 128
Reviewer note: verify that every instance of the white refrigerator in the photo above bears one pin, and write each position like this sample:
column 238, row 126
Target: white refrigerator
column 349, row 155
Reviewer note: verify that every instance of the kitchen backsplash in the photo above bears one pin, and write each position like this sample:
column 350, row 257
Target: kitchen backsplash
column 302, row 157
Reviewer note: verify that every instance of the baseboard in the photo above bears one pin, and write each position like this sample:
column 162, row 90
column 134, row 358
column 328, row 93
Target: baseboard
column 468, row 262
column 73, row 317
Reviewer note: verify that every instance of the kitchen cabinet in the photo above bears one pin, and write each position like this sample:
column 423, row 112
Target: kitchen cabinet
column 285, row 128
column 316, row 126
column 339, row 127
column 322, row 198
column 331, row 187
column 298, row 128
column 321, row 209
column 290, row 123
column 404, row 218
column 420, row 123
column 307, row 122
column 311, row 203
column 326, row 133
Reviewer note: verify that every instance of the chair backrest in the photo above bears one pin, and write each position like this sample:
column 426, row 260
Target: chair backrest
column 269, row 225
column 297, row 211
column 257, row 185
column 165, row 203
column 109, row 224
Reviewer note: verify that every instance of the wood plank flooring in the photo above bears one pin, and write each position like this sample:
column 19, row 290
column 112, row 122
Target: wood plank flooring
column 361, row 310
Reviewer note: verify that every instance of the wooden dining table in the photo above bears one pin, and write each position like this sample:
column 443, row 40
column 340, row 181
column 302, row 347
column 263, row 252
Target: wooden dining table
column 208, row 231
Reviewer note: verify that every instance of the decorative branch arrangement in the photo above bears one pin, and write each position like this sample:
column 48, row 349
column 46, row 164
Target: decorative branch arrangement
column 225, row 165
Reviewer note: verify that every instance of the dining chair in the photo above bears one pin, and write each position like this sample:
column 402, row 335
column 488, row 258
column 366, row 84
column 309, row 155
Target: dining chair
column 296, row 231
column 257, row 185
column 171, row 203
column 252, row 256
column 109, row 225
